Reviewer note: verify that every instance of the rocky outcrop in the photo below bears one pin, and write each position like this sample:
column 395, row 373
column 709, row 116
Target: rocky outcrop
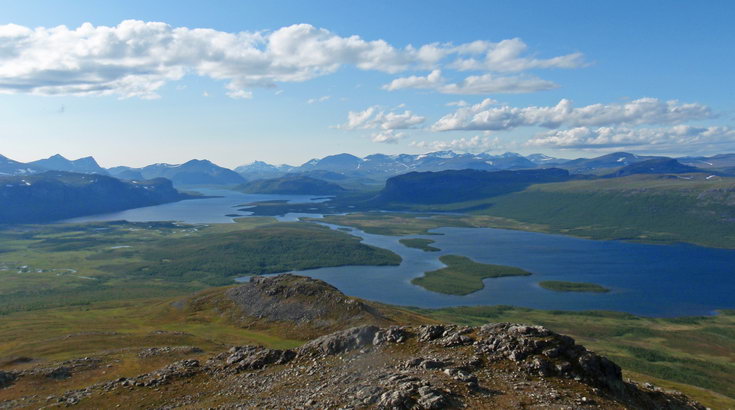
column 243, row 358
column 500, row 365
column 301, row 301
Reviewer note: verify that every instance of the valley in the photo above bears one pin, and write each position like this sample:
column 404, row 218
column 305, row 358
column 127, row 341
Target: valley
column 134, row 292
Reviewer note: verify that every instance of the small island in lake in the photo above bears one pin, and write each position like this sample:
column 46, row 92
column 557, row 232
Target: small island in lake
column 419, row 243
column 561, row 286
column 463, row 276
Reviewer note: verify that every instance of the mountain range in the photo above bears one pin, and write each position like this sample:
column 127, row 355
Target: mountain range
column 194, row 172
column 350, row 170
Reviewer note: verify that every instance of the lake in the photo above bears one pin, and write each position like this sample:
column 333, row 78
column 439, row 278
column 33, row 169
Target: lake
column 198, row 211
column 651, row 280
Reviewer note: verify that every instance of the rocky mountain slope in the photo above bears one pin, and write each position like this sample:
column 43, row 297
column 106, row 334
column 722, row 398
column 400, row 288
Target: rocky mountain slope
column 499, row 365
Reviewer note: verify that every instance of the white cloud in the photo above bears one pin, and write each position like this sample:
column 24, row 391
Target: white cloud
column 473, row 144
column 387, row 136
column 318, row 100
column 507, row 56
column 673, row 138
column 374, row 117
column 503, row 117
column 474, row 84
column 432, row 80
column 136, row 58
column 460, row 103
column 493, row 84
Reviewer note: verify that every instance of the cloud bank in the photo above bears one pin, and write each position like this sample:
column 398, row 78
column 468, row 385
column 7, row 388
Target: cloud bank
column 489, row 116
column 136, row 58
column 610, row 137
column 475, row 84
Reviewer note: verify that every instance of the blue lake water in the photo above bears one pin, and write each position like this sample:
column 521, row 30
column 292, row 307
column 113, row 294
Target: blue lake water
column 652, row 280
column 205, row 210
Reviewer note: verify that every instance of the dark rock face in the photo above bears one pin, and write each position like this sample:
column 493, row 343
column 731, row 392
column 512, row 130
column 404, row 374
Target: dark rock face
column 7, row 378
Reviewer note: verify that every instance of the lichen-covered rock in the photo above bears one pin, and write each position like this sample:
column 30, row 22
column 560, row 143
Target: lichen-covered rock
column 242, row 358
column 545, row 353
column 339, row 342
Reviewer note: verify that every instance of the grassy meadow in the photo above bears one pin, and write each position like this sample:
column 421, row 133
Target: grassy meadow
column 50, row 266
column 463, row 276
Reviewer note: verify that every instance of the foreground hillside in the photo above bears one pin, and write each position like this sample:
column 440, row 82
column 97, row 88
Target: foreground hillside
column 57, row 195
column 390, row 365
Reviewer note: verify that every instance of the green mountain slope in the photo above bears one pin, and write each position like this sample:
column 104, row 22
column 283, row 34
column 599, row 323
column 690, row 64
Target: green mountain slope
column 687, row 208
column 291, row 185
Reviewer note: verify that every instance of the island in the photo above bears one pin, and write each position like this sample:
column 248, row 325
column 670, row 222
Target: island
column 463, row 276
column 419, row 243
column 561, row 286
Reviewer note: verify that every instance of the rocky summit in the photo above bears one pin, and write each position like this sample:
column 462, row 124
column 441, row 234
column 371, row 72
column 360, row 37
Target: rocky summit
column 435, row 366
column 309, row 305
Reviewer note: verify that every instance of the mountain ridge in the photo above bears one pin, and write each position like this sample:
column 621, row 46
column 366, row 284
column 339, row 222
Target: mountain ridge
column 56, row 195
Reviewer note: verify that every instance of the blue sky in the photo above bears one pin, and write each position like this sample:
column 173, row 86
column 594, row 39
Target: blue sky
column 566, row 78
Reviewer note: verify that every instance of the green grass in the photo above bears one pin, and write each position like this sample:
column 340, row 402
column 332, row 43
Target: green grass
column 562, row 286
column 402, row 224
column 50, row 266
column 642, row 208
column 688, row 354
column 218, row 258
column 419, row 243
column 463, row 276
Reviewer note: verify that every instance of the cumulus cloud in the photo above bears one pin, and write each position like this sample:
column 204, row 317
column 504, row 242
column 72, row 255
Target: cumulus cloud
column 474, row 84
column 388, row 136
column 473, row 144
column 488, row 115
column 374, row 117
column 433, row 80
column 136, row 58
column 610, row 137
column 508, row 56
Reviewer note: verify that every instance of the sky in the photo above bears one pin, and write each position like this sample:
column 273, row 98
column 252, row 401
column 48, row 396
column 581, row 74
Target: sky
column 140, row 82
